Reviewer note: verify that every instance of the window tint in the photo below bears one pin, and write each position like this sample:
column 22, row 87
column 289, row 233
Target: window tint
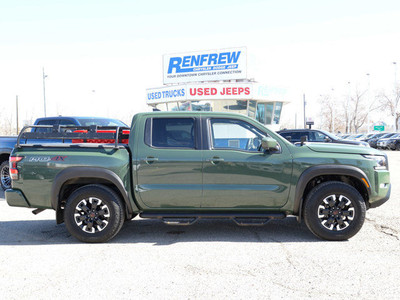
column 316, row 136
column 101, row 122
column 295, row 136
column 46, row 122
column 172, row 132
column 235, row 134
column 67, row 123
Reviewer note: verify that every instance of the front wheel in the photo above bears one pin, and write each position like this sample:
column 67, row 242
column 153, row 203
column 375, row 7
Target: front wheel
column 334, row 211
column 94, row 214
column 5, row 178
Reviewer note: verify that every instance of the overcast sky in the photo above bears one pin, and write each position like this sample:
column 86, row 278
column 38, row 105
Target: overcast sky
column 100, row 56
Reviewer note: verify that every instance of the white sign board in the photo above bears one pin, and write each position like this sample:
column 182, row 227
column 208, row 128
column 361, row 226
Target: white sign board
column 209, row 91
column 166, row 94
column 211, row 65
column 219, row 91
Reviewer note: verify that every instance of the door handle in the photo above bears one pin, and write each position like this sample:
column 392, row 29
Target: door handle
column 215, row 160
column 150, row 159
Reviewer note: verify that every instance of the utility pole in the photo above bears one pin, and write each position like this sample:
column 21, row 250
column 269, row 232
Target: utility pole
column 16, row 101
column 44, row 92
column 304, row 109
column 333, row 112
column 368, row 103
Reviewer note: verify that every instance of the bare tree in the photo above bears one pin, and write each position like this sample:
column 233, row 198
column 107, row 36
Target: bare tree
column 359, row 111
column 390, row 104
column 328, row 113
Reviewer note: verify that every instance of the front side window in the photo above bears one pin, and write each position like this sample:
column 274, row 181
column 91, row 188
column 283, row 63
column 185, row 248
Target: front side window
column 171, row 132
column 318, row 137
column 235, row 135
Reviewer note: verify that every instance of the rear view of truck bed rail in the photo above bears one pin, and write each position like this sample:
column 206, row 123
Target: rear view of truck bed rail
column 100, row 134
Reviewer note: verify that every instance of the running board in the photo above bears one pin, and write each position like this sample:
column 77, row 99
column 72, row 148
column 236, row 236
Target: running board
column 179, row 221
column 251, row 221
column 242, row 219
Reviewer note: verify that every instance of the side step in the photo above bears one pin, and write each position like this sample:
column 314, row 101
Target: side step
column 242, row 219
column 179, row 221
column 251, row 221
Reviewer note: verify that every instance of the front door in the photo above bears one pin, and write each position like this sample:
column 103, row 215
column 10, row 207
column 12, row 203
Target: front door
column 170, row 160
column 237, row 175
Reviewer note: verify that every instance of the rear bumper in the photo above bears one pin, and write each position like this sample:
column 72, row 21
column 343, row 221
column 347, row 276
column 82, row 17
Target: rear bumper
column 16, row 198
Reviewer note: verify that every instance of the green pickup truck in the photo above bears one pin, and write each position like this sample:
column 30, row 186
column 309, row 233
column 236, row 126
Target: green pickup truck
column 183, row 166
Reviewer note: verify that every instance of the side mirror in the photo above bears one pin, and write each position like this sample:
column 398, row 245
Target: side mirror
column 268, row 144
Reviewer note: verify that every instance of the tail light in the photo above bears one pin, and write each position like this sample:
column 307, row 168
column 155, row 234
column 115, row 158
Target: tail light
column 13, row 166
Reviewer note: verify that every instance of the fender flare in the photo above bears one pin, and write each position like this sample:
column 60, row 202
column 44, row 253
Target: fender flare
column 319, row 170
column 88, row 172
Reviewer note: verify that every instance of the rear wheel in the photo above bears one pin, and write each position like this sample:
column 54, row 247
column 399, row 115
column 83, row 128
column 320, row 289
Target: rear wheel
column 398, row 146
column 94, row 214
column 334, row 211
column 5, row 179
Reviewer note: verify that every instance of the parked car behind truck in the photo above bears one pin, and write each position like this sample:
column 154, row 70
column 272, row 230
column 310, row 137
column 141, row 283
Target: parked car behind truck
column 180, row 167
column 8, row 143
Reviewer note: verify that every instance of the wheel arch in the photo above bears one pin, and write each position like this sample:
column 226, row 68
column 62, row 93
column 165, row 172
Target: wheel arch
column 4, row 156
column 70, row 179
column 310, row 177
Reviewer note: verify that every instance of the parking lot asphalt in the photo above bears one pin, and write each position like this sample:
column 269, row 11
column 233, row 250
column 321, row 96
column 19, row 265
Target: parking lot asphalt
column 210, row 259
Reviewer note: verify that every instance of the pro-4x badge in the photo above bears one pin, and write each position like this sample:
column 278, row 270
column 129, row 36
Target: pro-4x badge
column 59, row 158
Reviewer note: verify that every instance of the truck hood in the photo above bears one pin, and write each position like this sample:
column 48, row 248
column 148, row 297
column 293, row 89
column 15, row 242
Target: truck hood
column 342, row 148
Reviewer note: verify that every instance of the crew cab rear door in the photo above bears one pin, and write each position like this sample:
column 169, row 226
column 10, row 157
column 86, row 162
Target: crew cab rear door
column 169, row 172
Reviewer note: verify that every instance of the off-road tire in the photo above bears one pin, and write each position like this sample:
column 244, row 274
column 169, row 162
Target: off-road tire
column 5, row 179
column 84, row 208
column 336, row 205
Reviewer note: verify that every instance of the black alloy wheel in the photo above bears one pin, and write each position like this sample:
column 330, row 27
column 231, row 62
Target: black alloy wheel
column 94, row 213
column 5, row 178
column 334, row 211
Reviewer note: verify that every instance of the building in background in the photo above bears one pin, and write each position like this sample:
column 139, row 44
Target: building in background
column 215, row 80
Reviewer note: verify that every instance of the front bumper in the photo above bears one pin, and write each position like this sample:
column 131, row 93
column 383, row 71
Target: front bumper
column 380, row 189
column 16, row 198
column 381, row 201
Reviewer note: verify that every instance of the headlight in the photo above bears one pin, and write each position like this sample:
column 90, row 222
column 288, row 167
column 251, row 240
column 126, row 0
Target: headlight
column 381, row 161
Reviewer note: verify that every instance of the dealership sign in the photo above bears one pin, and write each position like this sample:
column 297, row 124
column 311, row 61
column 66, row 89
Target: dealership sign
column 209, row 65
column 211, row 91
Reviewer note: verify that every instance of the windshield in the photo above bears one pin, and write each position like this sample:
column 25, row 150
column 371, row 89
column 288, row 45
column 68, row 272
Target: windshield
column 101, row 122
column 387, row 135
column 331, row 135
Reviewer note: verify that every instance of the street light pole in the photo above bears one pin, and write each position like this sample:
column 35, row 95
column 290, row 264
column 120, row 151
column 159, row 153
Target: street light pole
column 44, row 93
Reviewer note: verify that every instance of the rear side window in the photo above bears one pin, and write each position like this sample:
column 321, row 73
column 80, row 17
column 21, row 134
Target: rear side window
column 170, row 132
column 45, row 122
